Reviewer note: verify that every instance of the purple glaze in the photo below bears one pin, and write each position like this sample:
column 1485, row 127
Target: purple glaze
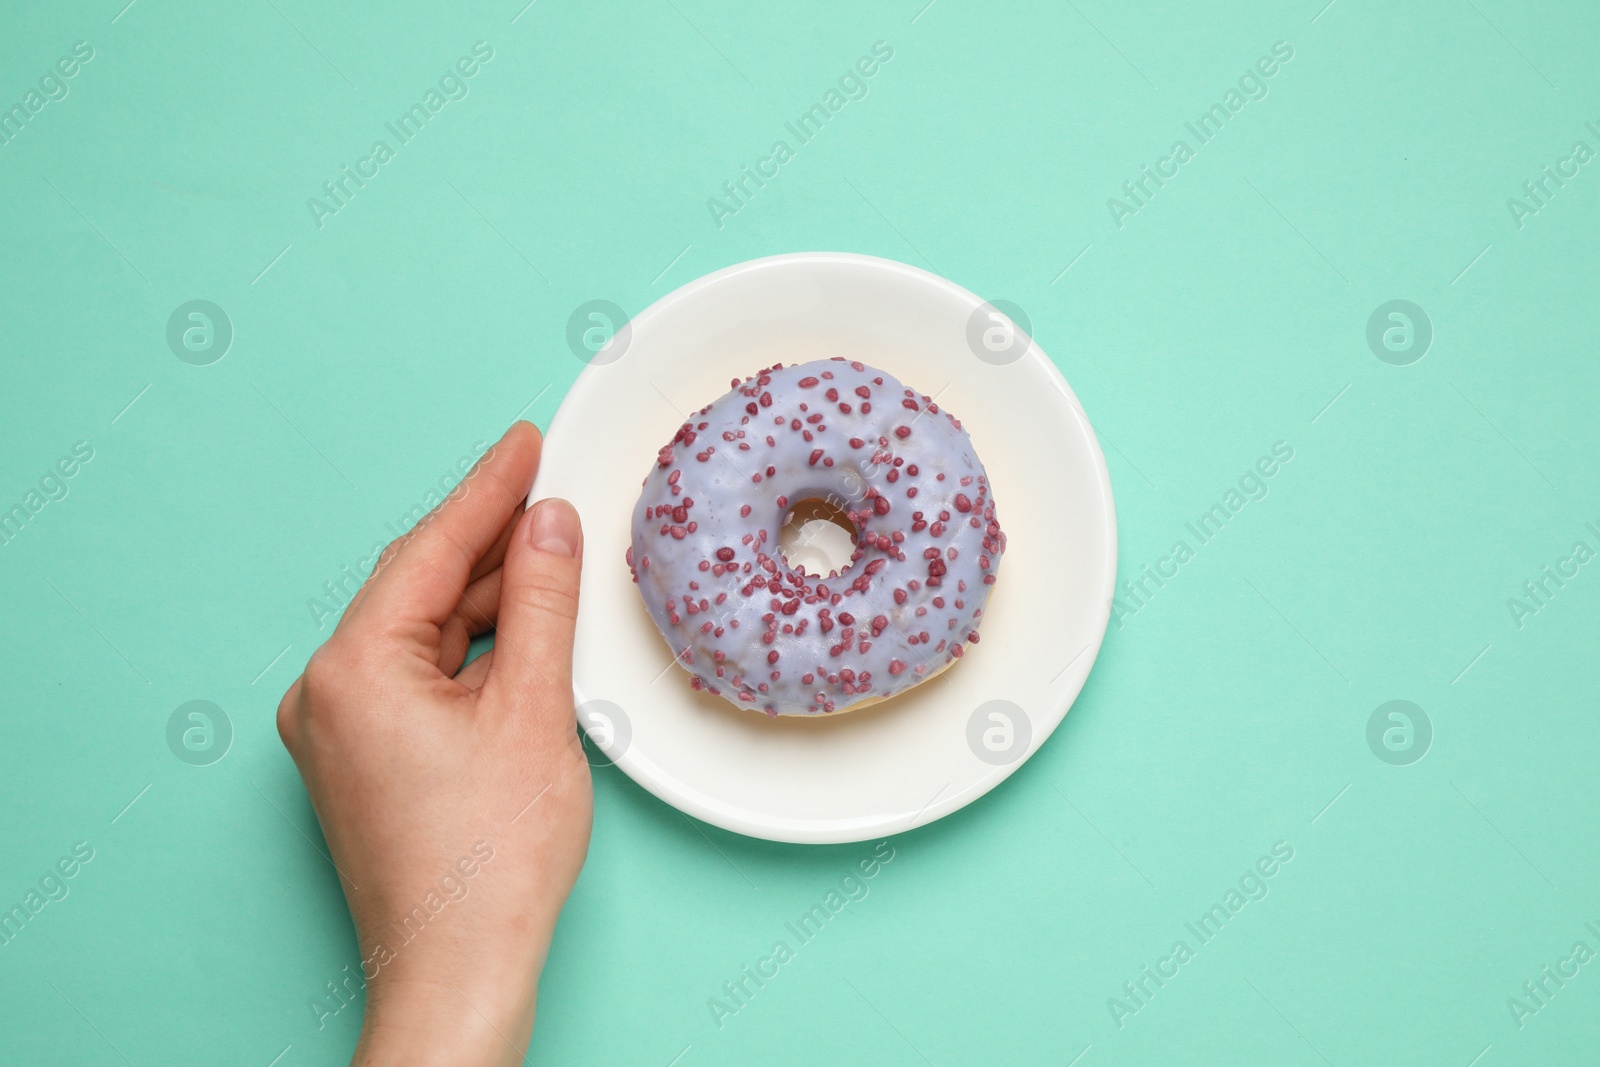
column 759, row 633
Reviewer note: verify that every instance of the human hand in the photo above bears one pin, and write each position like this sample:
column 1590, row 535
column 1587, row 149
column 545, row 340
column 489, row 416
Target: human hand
column 456, row 806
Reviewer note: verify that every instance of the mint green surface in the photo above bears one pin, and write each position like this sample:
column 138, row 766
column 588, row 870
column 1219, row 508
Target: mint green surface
column 1228, row 710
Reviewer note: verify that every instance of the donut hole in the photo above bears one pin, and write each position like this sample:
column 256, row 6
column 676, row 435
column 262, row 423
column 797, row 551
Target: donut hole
column 817, row 538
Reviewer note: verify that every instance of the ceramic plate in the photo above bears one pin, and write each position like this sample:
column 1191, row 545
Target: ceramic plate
column 906, row 761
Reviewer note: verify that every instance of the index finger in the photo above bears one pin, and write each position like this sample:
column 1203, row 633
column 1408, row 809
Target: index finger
column 422, row 576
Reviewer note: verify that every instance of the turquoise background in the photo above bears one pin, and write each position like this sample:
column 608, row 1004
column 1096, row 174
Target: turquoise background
column 1226, row 714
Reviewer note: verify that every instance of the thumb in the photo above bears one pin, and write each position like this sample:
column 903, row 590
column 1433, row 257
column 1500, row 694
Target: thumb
column 532, row 667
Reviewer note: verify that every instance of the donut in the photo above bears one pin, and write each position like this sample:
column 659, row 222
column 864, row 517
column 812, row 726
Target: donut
column 751, row 628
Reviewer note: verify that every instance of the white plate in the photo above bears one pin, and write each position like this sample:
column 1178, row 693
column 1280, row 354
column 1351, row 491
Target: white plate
column 928, row 752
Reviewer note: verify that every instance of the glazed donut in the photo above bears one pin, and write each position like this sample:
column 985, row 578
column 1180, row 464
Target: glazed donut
column 749, row 627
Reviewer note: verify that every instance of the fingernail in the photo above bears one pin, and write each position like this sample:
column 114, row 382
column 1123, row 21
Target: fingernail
column 555, row 528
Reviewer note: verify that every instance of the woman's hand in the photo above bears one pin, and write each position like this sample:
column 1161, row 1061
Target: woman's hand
column 456, row 806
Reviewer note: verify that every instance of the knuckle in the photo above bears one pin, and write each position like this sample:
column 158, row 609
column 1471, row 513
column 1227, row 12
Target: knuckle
column 549, row 596
column 288, row 717
column 420, row 522
column 386, row 557
column 392, row 549
column 502, row 485
column 329, row 673
column 446, row 537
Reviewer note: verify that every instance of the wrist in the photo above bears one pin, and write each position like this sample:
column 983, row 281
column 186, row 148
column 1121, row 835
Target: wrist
column 471, row 1018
